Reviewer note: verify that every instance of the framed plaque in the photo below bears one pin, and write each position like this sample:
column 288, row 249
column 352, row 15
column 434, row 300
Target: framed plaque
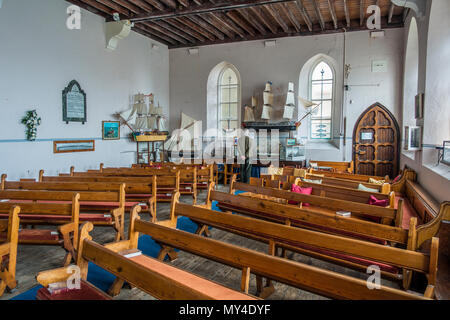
column 73, row 146
column 74, row 103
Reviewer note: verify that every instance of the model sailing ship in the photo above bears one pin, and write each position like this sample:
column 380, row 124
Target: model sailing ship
column 145, row 119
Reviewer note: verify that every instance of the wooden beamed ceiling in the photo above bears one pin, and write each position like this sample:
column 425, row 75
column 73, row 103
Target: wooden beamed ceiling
column 189, row 23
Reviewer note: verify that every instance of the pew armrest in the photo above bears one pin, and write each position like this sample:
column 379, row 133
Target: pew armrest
column 4, row 249
column 152, row 208
column 118, row 215
column 67, row 231
column 51, row 276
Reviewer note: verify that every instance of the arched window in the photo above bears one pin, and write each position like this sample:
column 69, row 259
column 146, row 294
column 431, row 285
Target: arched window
column 228, row 100
column 322, row 93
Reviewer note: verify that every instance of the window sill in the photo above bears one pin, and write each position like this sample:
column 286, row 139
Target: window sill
column 441, row 169
column 409, row 154
column 325, row 145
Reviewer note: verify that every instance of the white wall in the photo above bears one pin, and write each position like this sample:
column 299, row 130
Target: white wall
column 283, row 63
column 434, row 50
column 39, row 56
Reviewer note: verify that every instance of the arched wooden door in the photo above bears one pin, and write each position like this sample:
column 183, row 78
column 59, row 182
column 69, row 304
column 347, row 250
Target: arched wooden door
column 376, row 139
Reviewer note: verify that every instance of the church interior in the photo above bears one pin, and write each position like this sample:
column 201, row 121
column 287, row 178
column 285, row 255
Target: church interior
column 225, row 150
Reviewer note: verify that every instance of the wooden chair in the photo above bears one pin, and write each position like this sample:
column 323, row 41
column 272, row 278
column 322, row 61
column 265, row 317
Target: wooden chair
column 230, row 170
column 154, row 277
column 8, row 250
column 317, row 244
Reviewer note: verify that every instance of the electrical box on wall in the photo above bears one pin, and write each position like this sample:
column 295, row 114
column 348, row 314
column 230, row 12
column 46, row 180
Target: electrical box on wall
column 379, row 66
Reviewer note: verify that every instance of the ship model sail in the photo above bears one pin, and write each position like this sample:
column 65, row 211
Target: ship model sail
column 268, row 102
column 289, row 107
column 145, row 119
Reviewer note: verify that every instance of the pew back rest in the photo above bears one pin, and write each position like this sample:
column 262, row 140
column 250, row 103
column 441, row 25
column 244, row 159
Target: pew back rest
column 346, row 167
column 423, row 203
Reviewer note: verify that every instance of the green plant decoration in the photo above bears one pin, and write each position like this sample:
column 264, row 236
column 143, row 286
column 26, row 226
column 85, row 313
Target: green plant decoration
column 31, row 121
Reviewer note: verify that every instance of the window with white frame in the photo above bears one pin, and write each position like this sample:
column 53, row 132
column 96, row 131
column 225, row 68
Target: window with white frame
column 228, row 100
column 322, row 93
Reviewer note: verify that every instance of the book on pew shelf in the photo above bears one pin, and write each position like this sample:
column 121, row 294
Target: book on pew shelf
column 344, row 213
column 107, row 216
column 59, row 288
column 130, row 253
column 54, row 233
column 4, row 200
column 142, row 204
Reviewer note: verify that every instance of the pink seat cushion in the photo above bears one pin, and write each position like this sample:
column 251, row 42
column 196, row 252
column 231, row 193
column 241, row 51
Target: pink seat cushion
column 377, row 202
column 298, row 189
column 397, row 178
column 93, row 217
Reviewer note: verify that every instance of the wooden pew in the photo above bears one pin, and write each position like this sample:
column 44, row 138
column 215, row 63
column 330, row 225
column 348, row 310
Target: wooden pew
column 8, row 250
column 150, row 275
column 315, row 243
column 349, row 176
column 335, row 166
column 383, row 188
column 136, row 188
column 326, row 201
column 187, row 177
column 412, row 239
column 63, row 215
column 323, row 282
column 101, row 197
column 327, row 192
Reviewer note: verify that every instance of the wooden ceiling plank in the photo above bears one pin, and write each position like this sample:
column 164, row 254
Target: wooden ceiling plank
column 262, row 17
column 284, row 7
column 151, row 35
column 347, row 13
column 114, row 6
column 304, row 14
column 391, row 12
column 228, row 23
column 165, row 31
column 233, row 15
column 184, row 3
column 195, row 27
column 157, row 34
column 189, row 31
column 158, row 5
column 218, row 24
column 333, row 13
column 128, row 5
column 276, row 15
column 318, row 14
column 142, row 4
column 205, row 8
column 198, row 20
column 246, row 14
column 93, row 6
column 181, row 33
column 362, row 12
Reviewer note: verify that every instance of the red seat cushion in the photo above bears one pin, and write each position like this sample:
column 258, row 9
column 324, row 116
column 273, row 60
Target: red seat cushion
column 298, row 189
column 35, row 235
column 86, row 292
column 377, row 202
column 397, row 178
column 408, row 212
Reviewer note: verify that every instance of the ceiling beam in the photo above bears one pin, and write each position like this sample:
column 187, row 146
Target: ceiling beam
column 223, row 25
column 262, row 17
column 142, row 4
column 333, row 13
column 158, row 5
column 162, row 30
column 362, row 12
column 396, row 23
column 276, row 15
column 391, row 12
column 304, row 14
column 130, row 6
column 195, row 27
column 209, row 28
column 246, row 14
column 347, row 13
column 233, row 15
column 112, row 5
column 228, row 23
column 181, row 26
column 287, row 11
column 318, row 14
column 204, row 8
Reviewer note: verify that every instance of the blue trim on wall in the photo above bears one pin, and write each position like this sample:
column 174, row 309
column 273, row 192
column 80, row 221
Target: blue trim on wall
column 47, row 140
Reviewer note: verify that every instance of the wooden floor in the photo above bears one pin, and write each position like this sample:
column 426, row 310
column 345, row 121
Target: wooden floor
column 33, row 259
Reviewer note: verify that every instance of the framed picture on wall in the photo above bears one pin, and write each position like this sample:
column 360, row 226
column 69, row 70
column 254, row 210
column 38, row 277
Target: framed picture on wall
column 419, row 106
column 73, row 146
column 413, row 138
column 111, row 130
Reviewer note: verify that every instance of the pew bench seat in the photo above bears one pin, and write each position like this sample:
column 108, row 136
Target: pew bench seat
column 46, row 218
column 86, row 292
column 408, row 212
column 33, row 236
column 208, row 287
column 236, row 208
